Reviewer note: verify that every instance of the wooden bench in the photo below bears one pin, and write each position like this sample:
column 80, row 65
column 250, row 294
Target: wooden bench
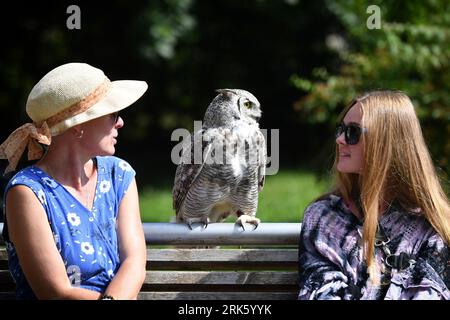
column 256, row 264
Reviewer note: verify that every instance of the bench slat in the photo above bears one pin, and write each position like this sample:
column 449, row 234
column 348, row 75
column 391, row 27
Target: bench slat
column 207, row 259
column 8, row 295
column 178, row 255
column 5, row 277
column 275, row 255
column 161, row 279
column 3, row 254
column 217, row 296
column 7, row 284
column 266, row 278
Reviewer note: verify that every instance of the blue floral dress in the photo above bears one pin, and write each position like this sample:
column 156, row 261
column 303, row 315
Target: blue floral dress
column 86, row 239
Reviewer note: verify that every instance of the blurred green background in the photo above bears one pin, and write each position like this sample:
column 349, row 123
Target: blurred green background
column 303, row 60
column 283, row 198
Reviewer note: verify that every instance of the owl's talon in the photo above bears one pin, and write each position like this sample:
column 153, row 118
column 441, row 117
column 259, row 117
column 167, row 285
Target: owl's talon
column 189, row 225
column 205, row 222
column 248, row 219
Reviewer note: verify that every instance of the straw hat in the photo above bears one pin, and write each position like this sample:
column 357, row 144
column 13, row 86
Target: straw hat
column 67, row 96
column 70, row 84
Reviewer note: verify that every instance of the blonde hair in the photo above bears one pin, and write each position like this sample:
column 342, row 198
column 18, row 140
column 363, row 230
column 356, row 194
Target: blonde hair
column 396, row 166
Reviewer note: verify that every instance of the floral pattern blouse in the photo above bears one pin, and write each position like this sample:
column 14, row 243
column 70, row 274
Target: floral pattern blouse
column 331, row 264
column 86, row 239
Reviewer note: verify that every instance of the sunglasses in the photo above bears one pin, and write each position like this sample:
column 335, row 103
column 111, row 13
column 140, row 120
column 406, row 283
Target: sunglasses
column 352, row 132
column 115, row 116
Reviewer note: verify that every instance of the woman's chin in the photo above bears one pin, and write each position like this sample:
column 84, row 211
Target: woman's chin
column 344, row 168
column 107, row 152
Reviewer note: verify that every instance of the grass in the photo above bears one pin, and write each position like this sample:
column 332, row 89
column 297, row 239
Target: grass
column 286, row 195
column 283, row 199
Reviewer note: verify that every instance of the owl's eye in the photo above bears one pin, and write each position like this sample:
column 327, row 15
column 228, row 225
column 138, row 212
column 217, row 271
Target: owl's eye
column 248, row 104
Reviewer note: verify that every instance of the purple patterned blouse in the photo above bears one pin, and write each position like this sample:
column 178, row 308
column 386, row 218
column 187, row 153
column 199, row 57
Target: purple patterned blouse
column 331, row 265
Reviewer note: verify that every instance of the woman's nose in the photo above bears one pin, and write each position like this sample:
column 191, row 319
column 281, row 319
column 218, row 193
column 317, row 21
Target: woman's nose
column 341, row 139
column 120, row 122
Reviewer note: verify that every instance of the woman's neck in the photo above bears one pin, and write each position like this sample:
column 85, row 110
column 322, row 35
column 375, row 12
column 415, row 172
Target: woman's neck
column 358, row 211
column 354, row 209
column 67, row 166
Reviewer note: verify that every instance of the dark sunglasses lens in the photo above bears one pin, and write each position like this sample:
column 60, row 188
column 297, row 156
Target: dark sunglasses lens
column 339, row 129
column 352, row 134
column 116, row 117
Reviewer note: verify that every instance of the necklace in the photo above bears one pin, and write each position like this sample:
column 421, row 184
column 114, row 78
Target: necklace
column 87, row 189
column 87, row 193
column 83, row 194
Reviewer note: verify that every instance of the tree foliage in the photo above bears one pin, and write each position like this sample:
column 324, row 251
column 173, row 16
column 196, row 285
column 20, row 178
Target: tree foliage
column 410, row 52
column 185, row 49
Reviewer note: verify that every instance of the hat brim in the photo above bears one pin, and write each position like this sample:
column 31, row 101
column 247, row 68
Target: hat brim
column 120, row 95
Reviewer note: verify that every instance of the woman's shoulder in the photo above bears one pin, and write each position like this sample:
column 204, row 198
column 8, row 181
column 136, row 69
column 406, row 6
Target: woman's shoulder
column 30, row 176
column 327, row 202
column 114, row 163
column 33, row 178
column 402, row 221
column 326, row 208
column 328, row 199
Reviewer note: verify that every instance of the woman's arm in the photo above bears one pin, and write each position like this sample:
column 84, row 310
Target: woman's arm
column 428, row 278
column 320, row 274
column 319, row 278
column 39, row 258
column 131, row 274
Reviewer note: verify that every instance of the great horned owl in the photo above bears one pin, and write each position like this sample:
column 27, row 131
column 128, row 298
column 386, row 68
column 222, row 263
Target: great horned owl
column 230, row 168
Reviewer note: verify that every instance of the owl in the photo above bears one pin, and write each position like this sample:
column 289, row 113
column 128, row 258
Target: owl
column 223, row 165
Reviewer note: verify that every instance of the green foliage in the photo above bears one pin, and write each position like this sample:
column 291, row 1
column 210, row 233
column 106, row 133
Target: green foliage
column 410, row 53
column 166, row 22
column 184, row 49
column 286, row 195
column 283, row 199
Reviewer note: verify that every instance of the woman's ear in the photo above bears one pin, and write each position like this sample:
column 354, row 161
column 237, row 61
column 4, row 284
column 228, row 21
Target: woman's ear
column 77, row 131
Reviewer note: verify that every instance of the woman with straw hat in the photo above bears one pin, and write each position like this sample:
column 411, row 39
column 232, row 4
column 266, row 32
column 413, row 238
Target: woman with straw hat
column 72, row 221
column 383, row 233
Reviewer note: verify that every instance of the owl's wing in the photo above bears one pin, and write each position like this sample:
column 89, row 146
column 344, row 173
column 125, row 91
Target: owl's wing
column 261, row 142
column 188, row 171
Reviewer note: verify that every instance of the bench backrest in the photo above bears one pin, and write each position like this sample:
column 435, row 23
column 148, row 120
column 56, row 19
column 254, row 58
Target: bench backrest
column 263, row 267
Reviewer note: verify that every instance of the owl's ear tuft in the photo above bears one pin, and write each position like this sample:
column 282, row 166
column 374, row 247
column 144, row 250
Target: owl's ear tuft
column 226, row 92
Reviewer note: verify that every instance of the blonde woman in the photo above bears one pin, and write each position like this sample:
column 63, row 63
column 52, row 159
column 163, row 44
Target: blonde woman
column 383, row 233
column 73, row 228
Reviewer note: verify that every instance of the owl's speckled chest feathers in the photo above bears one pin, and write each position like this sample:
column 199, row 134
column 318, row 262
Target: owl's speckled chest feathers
column 234, row 150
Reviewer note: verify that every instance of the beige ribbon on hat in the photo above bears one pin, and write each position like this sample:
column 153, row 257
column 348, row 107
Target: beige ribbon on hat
column 26, row 135
column 30, row 134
